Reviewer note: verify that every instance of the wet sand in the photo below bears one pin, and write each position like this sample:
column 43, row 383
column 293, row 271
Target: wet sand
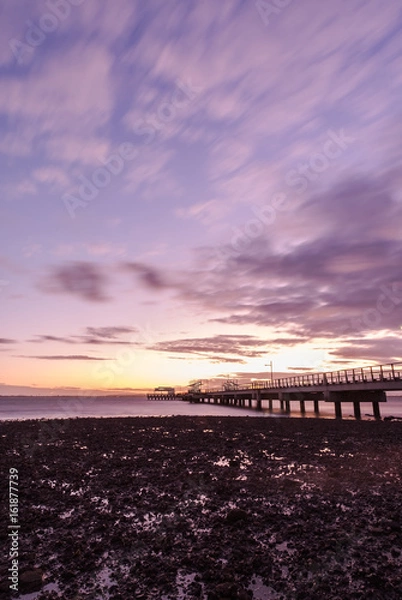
column 206, row 507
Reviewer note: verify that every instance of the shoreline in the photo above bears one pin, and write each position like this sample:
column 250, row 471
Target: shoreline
column 212, row 507
column 45, row 408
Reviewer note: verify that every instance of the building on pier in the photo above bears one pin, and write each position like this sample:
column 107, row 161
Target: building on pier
column 162, row 393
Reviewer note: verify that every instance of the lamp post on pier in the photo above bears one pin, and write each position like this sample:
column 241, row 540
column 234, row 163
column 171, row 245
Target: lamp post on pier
column 272, row 372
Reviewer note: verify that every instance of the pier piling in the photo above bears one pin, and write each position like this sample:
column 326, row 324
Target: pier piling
column 376, row 410
column 357, row 411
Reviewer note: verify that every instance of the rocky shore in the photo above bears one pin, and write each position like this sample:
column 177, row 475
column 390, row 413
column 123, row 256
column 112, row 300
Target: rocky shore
column 205, row 508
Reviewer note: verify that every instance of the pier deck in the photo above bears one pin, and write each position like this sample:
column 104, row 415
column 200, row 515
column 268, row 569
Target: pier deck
column 362, row 385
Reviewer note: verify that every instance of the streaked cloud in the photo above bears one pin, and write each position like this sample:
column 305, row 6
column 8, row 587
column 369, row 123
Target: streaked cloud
column 262, row 196
column 67, row 357
column 215, row 348
column 94, row 336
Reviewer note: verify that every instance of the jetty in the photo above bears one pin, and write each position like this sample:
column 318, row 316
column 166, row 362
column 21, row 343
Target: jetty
column 356, row 386
column 163, row 393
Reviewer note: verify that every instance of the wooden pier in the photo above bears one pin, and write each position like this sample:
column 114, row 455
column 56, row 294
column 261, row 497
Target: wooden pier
column 356, row 386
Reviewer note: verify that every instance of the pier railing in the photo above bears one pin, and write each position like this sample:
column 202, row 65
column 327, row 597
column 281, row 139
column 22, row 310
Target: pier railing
column 377, row 373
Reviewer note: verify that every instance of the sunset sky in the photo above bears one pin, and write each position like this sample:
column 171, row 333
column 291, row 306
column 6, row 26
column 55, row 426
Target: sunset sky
column 191, row 190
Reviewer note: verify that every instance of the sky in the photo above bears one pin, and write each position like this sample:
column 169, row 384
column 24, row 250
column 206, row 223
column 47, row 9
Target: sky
column 193, row 190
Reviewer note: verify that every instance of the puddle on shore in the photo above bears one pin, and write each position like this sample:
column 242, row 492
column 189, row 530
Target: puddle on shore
column 262, row 591
column 50, row 587
column 222, row 462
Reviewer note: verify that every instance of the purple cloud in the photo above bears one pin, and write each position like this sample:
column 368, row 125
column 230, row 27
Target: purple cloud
column 67, row 357
column 216, row 348
column 340, row 275
column 109, row 333
column 39, row 339
column 81, row 279
column 94, row 336
column 381, row 351
column 150, row 277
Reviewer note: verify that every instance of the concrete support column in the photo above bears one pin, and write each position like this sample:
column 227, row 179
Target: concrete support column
column 336, row 398
column 258, row 395
column 316, row 407
column 376, row 410
column 302, row 407
column 357, row 410
column 270, row 404
column 284, row 401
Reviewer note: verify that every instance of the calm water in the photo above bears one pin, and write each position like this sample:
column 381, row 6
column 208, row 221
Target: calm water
column 37, row 407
